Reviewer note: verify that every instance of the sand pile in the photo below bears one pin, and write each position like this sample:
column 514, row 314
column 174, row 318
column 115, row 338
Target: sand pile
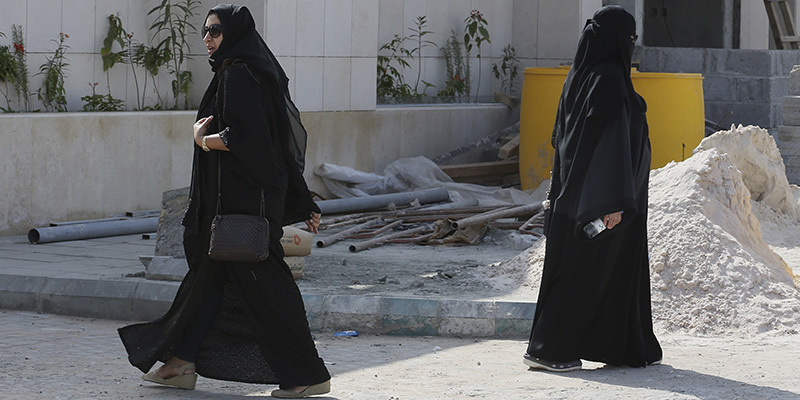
column 712, row 273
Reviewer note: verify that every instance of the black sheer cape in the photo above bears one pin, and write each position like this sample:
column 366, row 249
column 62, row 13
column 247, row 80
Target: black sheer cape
column 594, row 299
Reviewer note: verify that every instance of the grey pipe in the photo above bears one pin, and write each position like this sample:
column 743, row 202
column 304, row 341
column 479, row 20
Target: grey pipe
column 92, row 230
column 495, row 215
column 379, row 241
column 382, row 201
column 343, row 234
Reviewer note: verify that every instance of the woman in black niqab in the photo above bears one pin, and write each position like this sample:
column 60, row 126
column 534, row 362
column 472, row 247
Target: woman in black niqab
column 594, row 298
column 235, row 320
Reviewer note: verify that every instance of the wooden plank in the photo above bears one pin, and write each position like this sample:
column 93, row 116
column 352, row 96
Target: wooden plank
column 481, row 169
column 510, row 149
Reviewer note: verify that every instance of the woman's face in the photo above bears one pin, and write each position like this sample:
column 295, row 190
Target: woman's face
column 212, row 43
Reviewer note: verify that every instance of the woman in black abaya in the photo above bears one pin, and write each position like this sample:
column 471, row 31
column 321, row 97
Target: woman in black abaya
column 239, row 321
column 594, row 299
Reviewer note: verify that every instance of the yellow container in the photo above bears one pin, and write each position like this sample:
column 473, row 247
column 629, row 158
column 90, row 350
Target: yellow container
column 675, row 114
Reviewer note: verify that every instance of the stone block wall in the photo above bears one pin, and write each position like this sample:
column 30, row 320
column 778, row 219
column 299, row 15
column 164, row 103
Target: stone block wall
column 740, row 86
column 788, row 134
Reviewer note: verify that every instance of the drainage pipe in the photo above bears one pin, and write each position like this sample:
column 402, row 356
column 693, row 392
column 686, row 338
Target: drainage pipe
column 382, row 201
column 92, row 230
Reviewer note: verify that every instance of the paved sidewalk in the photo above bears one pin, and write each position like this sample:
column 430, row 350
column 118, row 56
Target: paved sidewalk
column 57, row 357
column 103, row 278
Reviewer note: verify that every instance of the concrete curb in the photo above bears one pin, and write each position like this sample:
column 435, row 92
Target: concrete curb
column 146, row 300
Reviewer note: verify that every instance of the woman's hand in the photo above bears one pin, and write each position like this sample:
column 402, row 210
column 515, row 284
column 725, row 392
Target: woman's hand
column 201, row 129
column 313, row 222
column 611, row 220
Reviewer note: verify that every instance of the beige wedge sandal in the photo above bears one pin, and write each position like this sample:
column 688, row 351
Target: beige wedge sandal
column 313, row 390
column 180, row 381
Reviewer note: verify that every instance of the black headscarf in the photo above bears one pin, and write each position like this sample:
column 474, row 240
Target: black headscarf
column 594, row 157
column 241, row 42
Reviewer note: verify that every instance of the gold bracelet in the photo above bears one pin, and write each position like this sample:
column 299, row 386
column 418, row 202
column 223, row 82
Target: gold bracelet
column 205, row 146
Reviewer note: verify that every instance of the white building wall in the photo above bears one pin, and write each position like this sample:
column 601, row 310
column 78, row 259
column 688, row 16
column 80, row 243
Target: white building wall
column 328, row 48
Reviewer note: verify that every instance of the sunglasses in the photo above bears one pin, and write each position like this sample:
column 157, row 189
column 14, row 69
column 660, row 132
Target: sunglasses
column 214, row 30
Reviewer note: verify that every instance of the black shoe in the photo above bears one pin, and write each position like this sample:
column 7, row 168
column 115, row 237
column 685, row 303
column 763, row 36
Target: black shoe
column 538, row 363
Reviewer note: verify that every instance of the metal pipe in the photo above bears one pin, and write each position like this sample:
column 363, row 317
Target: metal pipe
column 376, row 232
column 457, row 204
column 494, row 215
column 92, row 230
column 383, row 239
column 327, row 241
column 382, row 200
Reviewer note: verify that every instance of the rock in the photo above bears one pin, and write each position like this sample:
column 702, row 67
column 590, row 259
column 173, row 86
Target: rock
column 169, row 238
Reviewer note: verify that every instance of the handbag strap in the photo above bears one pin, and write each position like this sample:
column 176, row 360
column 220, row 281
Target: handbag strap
column 219, row 189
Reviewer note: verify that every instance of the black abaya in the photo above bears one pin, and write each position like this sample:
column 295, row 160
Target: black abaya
column 260, row 334
column 594, row 298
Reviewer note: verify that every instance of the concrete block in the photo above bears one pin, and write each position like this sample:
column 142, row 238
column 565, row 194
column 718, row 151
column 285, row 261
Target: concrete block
column 794, row 81
column 18, row 292
column 409, row 325
column 783, row 62
column 719, row 88
column 682, row 60
column 752, row 89
column 466, row 309
column 364, row 34
column 466, row 327
column 513, row 328
column 315, row 321
column 747, row 62
column 366, row 323
column 408, row 307
column 514, row 310
column 150, row 300
column 352, row 304
column 169, row 238
column 313, row 303
column 167, row 269
column 86, row 297
column 741, row 113
column 778, row 89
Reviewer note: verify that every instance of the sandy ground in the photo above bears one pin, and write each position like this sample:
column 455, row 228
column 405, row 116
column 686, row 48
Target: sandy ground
column 57, row 357
column 402, row 270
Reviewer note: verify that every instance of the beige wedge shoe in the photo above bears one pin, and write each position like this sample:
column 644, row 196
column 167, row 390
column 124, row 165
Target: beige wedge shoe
column 320, row 388
column 180, row 381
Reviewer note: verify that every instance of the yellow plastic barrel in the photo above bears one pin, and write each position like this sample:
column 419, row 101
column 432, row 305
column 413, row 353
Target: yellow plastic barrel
column 675, row 114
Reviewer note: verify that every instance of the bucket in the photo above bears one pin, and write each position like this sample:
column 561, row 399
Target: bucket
column 675, row 115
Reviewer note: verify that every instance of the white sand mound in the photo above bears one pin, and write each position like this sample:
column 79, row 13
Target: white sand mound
column 754, row 152
column 711, row 271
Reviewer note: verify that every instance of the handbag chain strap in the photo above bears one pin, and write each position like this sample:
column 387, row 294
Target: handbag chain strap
column 219, row 189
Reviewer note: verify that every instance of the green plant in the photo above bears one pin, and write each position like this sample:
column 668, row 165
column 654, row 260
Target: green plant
column 21, row 82
column 507, row 70
column 457, row 69
column 418, row 34
column 52, row 93
column 8, row 73
column 152, row 59
column 393, row 59
column 100, row 102
column 115, row 35
column 173, row 20
column 475, row 31
column 391, row 83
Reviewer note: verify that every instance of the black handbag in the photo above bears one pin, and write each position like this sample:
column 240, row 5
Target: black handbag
column 238, row 237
